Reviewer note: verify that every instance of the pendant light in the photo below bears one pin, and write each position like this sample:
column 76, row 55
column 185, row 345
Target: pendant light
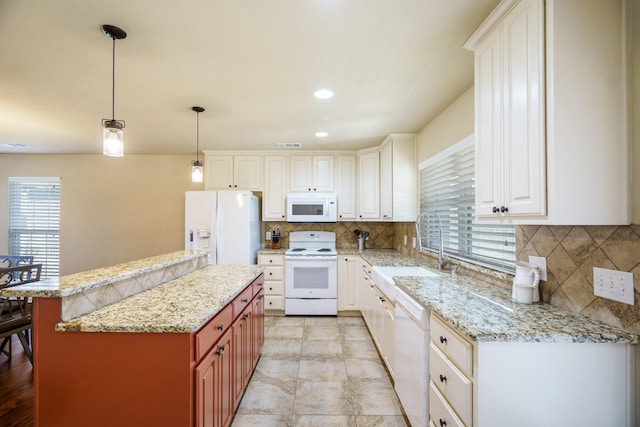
column 113, row 133
column 197, row 173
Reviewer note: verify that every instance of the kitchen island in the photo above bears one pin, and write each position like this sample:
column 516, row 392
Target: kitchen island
column 179, row 353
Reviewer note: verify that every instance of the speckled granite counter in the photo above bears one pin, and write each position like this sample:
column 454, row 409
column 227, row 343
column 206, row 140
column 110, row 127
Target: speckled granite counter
column 181, row 305
column 79, row 282
column 485, row 312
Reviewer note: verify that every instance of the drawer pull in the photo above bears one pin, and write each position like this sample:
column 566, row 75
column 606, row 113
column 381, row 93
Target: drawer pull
column 443, row 378
column 220, row 327
column 244, row 300
column 443, row 339
column 442, row 422
column 220, row 350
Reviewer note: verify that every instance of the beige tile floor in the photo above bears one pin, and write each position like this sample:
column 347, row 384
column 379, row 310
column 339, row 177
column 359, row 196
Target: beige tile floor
column 319, row 371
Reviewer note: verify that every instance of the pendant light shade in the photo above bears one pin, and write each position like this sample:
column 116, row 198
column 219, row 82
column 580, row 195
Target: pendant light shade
column 197, row 170
column 113, row 133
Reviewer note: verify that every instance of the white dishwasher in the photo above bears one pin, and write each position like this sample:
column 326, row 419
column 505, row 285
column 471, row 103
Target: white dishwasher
column 412, row 358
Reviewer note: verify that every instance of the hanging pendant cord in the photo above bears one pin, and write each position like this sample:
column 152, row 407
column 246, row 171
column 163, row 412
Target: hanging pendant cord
column 197, row 135
column 113, row 80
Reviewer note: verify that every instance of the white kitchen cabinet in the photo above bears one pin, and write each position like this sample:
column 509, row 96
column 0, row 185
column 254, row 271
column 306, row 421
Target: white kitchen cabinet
column 346, row 187
column 349, row 271
column 509, row 105
column 398, row 178
column 274, row 291
column 551, row 98
column 312, row 174
column 231, row 172
column 369, row 185
column 276, row 186
column 503, row 384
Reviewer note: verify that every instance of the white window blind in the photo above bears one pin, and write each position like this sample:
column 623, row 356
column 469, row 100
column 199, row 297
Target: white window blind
column 447, row 187
column 34, row 221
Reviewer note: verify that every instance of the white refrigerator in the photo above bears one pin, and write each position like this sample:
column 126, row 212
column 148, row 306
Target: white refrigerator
column 224, row 222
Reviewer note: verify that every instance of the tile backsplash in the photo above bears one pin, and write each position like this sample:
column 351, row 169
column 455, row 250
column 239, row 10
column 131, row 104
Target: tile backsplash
column 572, row 252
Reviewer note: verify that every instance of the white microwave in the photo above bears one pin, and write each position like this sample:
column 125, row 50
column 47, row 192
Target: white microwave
column 311, row 207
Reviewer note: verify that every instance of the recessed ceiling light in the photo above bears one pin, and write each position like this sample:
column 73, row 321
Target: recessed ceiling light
column 323, row 94
column 321, row 134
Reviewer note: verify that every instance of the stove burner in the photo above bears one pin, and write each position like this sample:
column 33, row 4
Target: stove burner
column 324, row 250
column 297, row 249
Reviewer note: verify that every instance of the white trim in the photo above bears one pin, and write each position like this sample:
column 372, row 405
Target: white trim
column 460, row 145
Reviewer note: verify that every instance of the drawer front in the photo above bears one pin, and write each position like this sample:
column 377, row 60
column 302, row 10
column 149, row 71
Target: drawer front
column 456, row 388
column 453, row 345
column 270, row 259
column 274, row 288
column 439, row 411
column 241, row 301
column 258, row 285
column 273, row 302
column 273, row 273
column 213, row 330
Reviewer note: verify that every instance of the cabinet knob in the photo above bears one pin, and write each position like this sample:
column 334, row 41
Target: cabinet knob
column 220, row 350
column 495, row 209
column 443, row 339
column 270, row 302
column 229, row 185
column 270, row 288
column 236, row 185
column 442, row 422
column 443, row 378
column 282, row 216
column 314, row 189
column 360, row 216
column 308, row 189
column 244, row 300
column 270, row 274
column 504, row 209
column 220, row 327
column 270, row 260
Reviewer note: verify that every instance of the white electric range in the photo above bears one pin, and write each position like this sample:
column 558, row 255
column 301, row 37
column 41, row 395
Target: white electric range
column 311, row 279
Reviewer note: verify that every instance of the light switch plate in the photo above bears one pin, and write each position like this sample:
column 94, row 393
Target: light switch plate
column 613, row 284
column 541, row 263
column 267, row 235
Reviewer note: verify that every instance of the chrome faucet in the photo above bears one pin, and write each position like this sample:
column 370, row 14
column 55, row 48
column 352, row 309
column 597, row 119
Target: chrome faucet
column 442, row 261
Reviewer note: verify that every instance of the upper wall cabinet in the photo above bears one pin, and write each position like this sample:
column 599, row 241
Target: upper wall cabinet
column 552, row 138
column 346, row 187
column 398, row 178
column 230, row 172
column 369, row 185
column 276, row 185
column 312, row 173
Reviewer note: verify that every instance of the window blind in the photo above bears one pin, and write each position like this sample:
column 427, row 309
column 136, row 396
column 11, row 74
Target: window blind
column 447, row 188
column 34, row 221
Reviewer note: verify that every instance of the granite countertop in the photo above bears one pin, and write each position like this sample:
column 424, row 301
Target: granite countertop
column 484, row 312
column 182, row 305
column 79, row 282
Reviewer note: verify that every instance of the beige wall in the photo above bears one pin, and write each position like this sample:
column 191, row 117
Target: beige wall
column 452, row 125
column 112, row 210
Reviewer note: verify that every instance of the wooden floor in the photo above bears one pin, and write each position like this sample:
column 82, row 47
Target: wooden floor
column 16, row 388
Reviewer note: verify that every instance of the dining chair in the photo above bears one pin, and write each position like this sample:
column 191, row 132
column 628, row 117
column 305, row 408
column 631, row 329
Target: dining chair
column 18, row 322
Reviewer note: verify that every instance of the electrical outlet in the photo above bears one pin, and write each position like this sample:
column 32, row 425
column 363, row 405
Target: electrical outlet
column 267, row 235
column 413, row 242
column 613, row 284
column 541, row 263
column 405, row 240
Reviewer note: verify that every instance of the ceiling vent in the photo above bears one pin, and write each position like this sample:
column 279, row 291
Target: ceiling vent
column 289, row 145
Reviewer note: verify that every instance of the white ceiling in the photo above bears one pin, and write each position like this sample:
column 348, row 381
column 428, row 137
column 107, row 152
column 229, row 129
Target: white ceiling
column 252, row 64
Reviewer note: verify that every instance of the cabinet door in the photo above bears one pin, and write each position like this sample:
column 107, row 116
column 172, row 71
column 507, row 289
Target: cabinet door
column 275, row 188
column 323, row 174
column 524, row 100
column 346, row 187
column 348, row 272
column 247, row 173
column 218, row 172
column 301, row 173
column 240, row 354
column 389, row 340
column 214, row 395
column 386, row 180
column 257, row 330
column 488, row 116
column 369, row 186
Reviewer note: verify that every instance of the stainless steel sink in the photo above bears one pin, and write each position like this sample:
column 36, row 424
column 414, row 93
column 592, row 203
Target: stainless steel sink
column 383, row 276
